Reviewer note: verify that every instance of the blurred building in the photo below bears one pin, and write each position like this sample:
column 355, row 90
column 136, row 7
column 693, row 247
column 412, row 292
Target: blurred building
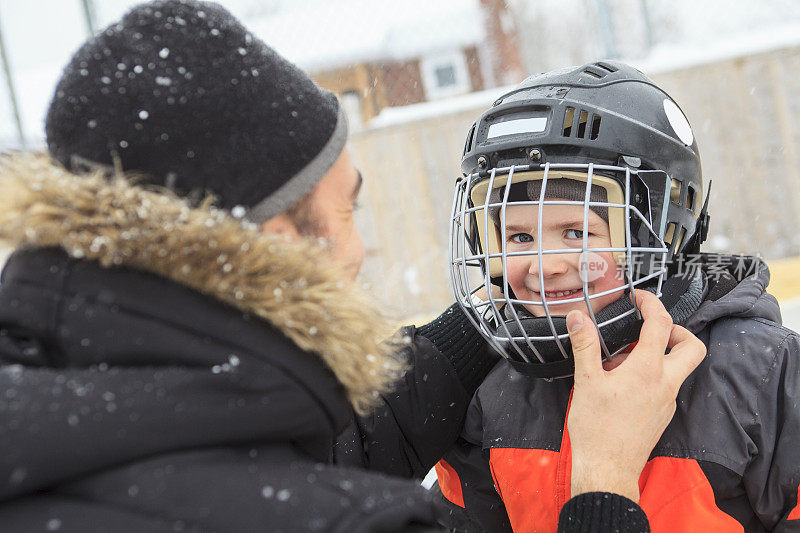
column 424, row 51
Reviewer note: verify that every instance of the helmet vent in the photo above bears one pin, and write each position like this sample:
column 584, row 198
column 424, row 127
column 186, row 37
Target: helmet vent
column 674, row 236
column 675, row 191
column 599, row 70
column 690, row 194
column 606, row 66
column 569, row 116
column 595, row 127
column 674, row 241
column 582, row 123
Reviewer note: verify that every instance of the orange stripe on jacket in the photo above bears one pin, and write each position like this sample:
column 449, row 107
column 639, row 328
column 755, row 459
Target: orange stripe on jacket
column 449, row 483
column 676, row 496
column 526, row 481
column 795, row 514
column 533, row 484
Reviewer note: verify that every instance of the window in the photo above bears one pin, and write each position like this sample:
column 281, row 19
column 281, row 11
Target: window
column 445, row 75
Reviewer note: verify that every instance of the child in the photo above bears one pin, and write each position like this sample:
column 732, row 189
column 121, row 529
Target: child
column 579, row 186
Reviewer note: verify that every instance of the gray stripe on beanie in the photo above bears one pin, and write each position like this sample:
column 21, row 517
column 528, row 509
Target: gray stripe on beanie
column 301, row 183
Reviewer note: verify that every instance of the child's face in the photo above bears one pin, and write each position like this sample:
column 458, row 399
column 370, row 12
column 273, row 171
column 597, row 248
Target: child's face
column 562, row 227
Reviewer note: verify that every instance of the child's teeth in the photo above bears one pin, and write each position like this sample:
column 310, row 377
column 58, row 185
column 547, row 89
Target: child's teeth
column 559, row 294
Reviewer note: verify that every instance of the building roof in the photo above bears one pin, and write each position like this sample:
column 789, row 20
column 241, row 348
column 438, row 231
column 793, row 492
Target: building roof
column 318, row 35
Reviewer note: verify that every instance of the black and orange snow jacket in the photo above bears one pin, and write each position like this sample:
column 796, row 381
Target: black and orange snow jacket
column 729, row 460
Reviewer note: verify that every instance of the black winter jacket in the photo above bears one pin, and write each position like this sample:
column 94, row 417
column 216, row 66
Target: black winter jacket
column 131, row 403
column 197, row 380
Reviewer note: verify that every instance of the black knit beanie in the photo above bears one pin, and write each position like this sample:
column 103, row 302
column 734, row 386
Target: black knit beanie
column 179, row 90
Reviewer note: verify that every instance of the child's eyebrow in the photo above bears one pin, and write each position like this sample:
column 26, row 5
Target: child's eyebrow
column 575, row 223
column 570, row 223
column 517, row 228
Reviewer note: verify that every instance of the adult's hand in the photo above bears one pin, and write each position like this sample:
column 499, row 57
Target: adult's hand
column 617, row 416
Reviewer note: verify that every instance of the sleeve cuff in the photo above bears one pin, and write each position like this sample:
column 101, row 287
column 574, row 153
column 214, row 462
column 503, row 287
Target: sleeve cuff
column 602, row 511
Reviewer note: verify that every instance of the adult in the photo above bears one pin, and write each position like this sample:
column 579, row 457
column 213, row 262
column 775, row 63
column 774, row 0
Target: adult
column 169, row 364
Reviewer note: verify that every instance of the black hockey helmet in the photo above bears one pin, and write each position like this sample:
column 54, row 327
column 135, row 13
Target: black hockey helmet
column 608, row 127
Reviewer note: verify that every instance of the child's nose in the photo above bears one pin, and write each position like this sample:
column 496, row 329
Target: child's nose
column 551, row 265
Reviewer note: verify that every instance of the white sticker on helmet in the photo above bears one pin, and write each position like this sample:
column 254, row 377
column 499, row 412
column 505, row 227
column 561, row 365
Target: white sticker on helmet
column 678, row 122
column 522, row 125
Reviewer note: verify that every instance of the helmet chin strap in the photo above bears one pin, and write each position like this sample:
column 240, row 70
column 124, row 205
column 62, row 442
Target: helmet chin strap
column 681, row 297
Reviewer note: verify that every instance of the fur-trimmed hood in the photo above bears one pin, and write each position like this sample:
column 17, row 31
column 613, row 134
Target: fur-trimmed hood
column 115, row 222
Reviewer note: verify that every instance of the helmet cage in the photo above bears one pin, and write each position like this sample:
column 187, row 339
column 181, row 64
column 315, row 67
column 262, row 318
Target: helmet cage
column 478, row 253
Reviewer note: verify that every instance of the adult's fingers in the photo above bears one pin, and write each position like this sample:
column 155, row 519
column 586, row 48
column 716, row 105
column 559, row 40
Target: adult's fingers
column 656, row 329
column 678, row 335
column 687, row 352
column 585, row 345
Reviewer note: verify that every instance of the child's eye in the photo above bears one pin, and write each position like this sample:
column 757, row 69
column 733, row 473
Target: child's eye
column 521, row 238
column 573, row 234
